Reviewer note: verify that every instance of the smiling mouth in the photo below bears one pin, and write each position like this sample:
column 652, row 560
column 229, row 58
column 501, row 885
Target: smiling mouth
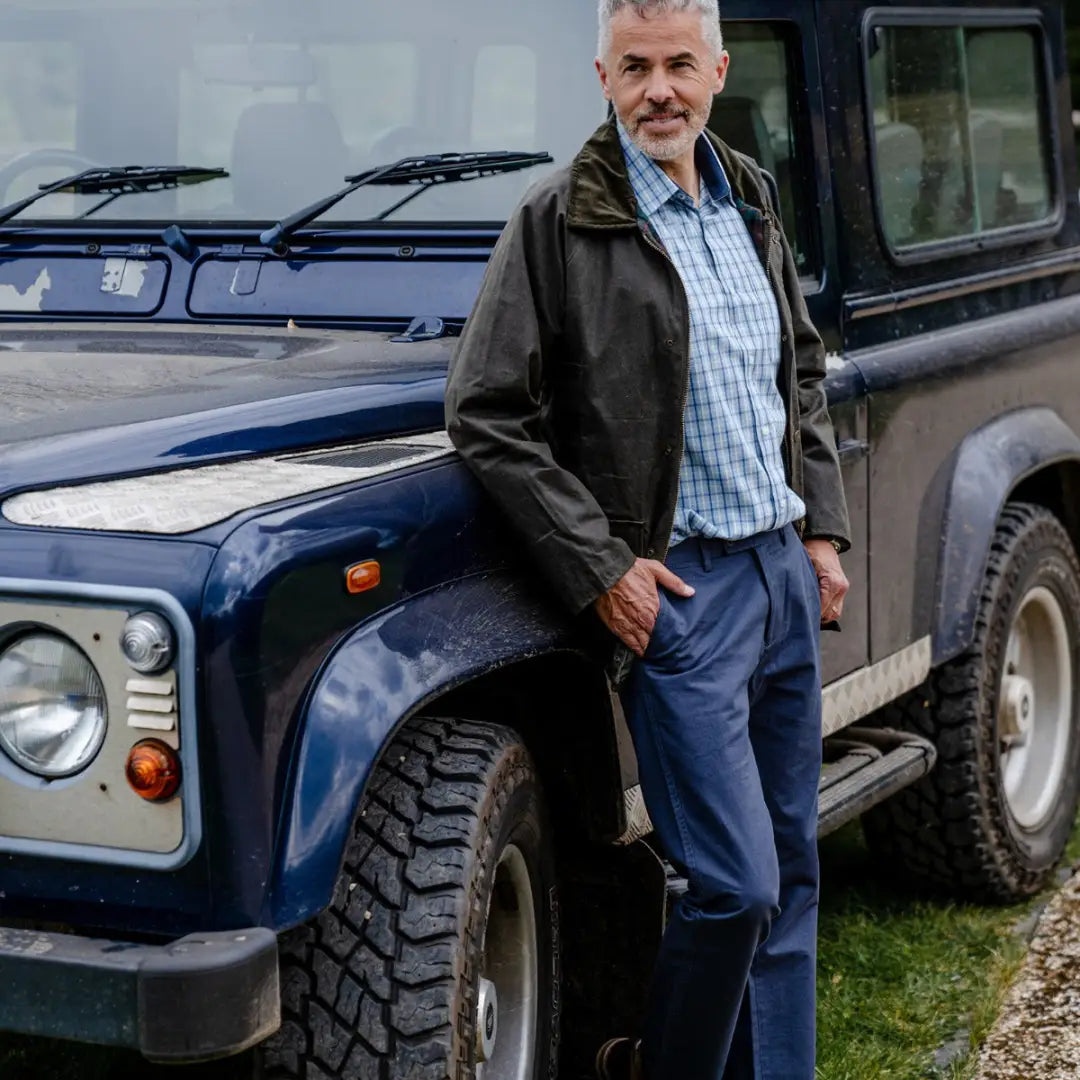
column 662, row 120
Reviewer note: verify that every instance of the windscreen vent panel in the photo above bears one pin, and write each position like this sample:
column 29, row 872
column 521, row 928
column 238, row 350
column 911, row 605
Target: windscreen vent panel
column 359, row 457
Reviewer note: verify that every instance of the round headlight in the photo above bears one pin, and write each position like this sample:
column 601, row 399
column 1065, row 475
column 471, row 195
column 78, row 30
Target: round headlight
column 52, row 706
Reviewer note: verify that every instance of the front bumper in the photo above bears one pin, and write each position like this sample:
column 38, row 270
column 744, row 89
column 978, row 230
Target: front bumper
column 204, row 996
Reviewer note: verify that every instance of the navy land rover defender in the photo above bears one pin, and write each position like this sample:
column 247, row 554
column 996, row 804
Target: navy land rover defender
column 299, row 761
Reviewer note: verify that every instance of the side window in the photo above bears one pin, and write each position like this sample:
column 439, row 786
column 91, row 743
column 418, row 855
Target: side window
column 960, row 133
column 757, row 113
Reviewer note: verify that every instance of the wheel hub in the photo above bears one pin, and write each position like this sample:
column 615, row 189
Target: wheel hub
column 1035, row 708
column 487, row 1020
column 1017, row 709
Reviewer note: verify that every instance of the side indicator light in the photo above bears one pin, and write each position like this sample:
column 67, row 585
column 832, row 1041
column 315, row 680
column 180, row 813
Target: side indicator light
column 153, row 770
column 362, row 577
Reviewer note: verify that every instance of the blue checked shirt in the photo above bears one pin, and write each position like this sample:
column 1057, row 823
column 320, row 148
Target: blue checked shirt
column 732, row 484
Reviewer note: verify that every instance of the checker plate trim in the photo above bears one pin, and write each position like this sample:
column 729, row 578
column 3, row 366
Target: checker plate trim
column 849, row 699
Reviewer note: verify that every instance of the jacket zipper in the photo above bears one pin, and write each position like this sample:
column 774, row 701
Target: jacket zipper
column 646, row 231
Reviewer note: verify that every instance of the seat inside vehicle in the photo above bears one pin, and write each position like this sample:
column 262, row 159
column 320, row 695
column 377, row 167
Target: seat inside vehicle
column 740, row 123
column 900, row 160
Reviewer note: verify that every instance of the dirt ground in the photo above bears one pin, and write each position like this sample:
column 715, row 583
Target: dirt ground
column 1037, row 1035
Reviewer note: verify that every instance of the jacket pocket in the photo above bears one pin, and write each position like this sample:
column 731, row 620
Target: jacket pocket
column 655, row 640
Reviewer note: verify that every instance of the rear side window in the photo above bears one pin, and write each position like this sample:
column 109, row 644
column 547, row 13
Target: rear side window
column 961, row 141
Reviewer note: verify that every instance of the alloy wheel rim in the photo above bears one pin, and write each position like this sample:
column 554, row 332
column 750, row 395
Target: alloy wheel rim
column 1035, row 708
column 508, row 991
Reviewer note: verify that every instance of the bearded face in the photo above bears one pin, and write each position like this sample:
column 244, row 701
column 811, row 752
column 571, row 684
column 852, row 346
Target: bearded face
column 667, row 132
column 661, row 74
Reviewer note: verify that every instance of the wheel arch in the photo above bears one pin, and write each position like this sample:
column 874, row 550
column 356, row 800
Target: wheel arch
column 465, row 650
column 1030, row 455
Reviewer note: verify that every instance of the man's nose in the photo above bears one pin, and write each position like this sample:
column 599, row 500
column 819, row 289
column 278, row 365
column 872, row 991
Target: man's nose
column 659, row 89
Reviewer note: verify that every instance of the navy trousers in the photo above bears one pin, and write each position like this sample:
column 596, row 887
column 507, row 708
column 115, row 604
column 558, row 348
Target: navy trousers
column 725, row 714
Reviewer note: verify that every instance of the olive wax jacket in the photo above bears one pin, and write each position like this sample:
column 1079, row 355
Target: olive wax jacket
column 567, row 389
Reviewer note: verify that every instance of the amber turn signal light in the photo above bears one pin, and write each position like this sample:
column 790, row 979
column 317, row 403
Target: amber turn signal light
column 153, row 770
column 363, row 576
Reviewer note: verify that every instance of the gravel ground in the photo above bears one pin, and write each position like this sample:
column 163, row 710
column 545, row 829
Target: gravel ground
column 1037, row 1036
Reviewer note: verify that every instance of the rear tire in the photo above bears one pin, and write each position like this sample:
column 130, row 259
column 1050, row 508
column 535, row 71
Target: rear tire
column 992, row 819
column 445, row 906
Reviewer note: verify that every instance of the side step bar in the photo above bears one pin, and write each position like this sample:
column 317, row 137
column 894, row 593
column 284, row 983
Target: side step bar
column 863, row 767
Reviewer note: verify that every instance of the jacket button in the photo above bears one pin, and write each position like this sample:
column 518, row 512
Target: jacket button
column 650, row 553
column 670, row 343
column 668, row 451
column 783, row 339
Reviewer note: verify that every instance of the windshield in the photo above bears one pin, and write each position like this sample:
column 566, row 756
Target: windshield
column 289, row 96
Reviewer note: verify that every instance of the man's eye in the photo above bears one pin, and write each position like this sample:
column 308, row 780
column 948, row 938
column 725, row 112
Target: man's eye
column 682, row 64
column 633, row 67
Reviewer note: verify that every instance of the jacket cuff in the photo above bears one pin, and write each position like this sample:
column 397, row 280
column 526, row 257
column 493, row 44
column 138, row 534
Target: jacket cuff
column 614, row 570
column 581, row 582
column 817, row 526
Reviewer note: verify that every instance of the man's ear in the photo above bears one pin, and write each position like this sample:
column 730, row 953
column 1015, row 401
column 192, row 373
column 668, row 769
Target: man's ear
column 721, row 71
column 601, row 70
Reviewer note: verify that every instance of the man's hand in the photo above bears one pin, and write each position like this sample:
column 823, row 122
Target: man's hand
column 630, row 607
column 832, row 581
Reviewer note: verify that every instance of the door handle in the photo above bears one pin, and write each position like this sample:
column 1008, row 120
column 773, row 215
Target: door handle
column 852, row 450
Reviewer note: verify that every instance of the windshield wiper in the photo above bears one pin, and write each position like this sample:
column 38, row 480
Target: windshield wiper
column 424, row 172
column 114, row 181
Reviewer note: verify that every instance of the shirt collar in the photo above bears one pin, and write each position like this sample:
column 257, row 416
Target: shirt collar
column 654, row 188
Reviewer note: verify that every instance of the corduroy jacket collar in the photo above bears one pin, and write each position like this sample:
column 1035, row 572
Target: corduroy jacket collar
column 601, row 196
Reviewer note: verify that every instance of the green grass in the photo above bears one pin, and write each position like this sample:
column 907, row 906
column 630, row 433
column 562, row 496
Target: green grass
column 899, row 975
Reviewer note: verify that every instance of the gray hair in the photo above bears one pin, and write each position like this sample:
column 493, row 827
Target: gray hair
column 710, row 15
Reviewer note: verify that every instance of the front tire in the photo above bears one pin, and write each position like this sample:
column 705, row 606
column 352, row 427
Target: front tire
column 992, row 819
column 438, row 955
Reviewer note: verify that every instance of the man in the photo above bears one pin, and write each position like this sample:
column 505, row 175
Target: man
column 639, row 388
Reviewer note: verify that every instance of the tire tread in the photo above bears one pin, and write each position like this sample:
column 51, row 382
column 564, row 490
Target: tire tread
column 370, row 987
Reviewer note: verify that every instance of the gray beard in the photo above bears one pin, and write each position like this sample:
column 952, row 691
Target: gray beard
column 668, row 148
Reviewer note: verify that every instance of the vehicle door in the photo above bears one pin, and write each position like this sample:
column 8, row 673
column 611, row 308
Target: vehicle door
column 772, row 110
column 956, row 216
